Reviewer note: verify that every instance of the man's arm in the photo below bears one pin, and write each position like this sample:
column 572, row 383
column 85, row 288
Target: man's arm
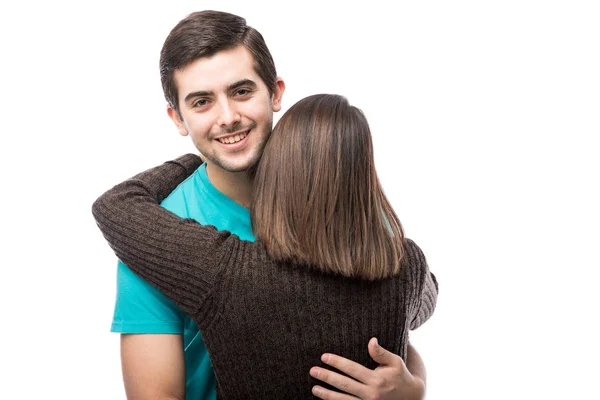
column 152, row 351
column 153, row 367
column 392, row 380
column 151, row 329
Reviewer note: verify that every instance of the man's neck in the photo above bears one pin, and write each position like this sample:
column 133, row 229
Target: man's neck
column 235, row 185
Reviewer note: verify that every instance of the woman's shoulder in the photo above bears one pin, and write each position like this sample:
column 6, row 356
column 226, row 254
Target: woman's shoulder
column 412, row 252
column 413, row 260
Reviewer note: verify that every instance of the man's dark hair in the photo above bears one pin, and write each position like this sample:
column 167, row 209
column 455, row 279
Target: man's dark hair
column 205, row 33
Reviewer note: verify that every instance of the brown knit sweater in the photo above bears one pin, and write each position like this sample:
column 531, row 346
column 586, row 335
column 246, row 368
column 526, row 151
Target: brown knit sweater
column 265, row 324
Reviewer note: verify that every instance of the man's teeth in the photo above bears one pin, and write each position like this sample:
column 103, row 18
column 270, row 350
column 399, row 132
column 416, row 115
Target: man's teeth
column 233, row 139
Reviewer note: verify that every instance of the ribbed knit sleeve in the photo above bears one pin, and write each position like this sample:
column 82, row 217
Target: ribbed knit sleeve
column 178, row 256
column 424, row 284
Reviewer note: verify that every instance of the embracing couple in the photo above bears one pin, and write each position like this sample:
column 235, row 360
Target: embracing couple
column 278, row 250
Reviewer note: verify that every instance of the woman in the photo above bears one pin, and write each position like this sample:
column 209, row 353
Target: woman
column 330, row 268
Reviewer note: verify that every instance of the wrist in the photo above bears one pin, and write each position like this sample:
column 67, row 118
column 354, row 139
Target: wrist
column 418, row 388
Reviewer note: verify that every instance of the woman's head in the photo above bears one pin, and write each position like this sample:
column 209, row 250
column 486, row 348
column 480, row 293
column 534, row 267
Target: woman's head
column 317, row 198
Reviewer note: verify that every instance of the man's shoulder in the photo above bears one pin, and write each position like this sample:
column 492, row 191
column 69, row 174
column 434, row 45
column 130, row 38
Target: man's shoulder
column 187, row 193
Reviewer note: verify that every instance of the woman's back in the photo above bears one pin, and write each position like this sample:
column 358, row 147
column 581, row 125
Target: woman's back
column 265, row 323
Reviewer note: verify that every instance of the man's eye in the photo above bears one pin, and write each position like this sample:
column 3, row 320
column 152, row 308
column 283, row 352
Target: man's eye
column 200, row 103
column 242, row 92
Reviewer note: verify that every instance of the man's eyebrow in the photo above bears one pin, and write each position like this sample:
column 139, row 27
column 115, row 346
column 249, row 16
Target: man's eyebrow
column 243, row 82
column 233, row 86
column 199, row 93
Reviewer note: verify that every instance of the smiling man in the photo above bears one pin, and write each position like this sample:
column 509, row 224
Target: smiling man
column 221, row 86
column 224, row 105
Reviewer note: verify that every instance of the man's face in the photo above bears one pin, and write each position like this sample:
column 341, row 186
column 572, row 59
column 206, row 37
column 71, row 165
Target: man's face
column 226, row 108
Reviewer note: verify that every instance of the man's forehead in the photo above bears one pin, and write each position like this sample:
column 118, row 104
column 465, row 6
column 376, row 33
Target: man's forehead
column 218, row 72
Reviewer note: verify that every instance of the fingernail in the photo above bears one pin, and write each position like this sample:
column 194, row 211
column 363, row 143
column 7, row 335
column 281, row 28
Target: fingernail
column 376, row 343
column 325, row 358
column 314, row 372
column 316, row 391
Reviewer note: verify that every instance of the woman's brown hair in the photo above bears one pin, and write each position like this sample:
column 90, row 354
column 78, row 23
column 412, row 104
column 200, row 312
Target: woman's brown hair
column 317, row 199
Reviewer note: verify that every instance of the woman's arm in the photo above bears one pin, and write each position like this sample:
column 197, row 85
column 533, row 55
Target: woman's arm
column 178, row 256
column 424, row 284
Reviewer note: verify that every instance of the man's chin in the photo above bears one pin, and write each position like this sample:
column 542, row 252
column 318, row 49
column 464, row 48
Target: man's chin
column 235, row 166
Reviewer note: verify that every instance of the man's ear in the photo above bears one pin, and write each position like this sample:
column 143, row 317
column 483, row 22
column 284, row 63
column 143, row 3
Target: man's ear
column 174, row 115
column 278, row 94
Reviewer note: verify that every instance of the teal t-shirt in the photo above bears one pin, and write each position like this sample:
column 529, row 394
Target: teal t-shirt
column 140, row 308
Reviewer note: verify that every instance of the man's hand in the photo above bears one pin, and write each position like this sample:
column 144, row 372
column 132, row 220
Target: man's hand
column 391, row 380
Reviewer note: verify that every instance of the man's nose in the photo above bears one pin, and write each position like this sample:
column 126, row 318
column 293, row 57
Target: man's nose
column 228, row 114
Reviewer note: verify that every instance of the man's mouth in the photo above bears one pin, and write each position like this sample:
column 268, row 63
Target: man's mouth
column 233, row 138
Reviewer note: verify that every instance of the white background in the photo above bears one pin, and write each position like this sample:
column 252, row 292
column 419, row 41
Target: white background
column 485, row 117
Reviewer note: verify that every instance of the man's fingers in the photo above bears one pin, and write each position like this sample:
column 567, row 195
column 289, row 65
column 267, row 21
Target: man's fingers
column 349, row 367
column 327, row 394
column 381, row 355
column 344, row 383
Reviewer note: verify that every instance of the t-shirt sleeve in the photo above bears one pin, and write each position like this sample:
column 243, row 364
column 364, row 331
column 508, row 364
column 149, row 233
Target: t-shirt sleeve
column 424, row 285
column 141, row 308
column 178, row 256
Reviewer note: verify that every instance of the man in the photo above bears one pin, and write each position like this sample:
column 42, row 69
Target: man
column 221, row 86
